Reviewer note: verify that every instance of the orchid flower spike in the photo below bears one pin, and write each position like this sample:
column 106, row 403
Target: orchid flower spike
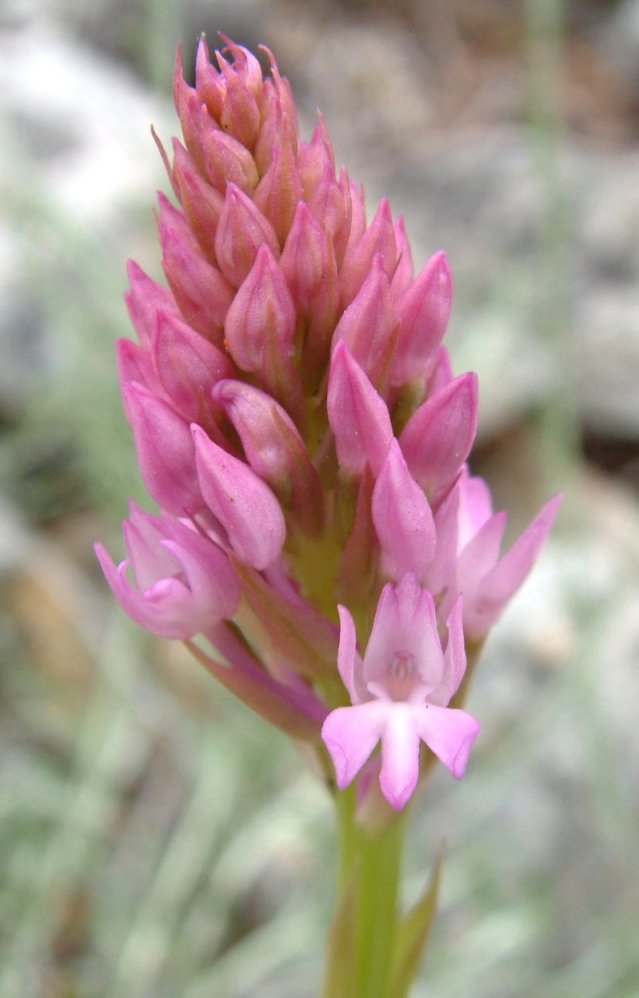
column 400, row 693
column 297, row 419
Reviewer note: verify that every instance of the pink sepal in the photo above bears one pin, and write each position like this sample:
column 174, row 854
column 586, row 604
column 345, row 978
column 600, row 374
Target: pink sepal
column 504, row 579
column 368, row 324
column 274, row 449
column 357, row 414
column 423, row 311
column 405, row 621
column 202, row 204
column 202, row 293
column 260, row 330
column 226, row 160
column 438, row 437
column 242, row 229
column 280, row 189
column 349, row 662
column 441, row 373
column 304, row 257
column 183, row 583
column 261, row 320
column 189, row 109
column 377, row 240
column 231, row 95
column 164, row 450
column 279, row 118
column 404, row 271
column 144, row 299
column 357, row 226
column 403, row 519
column 316, row 159
column 469, row 537
column 241, row 501
column 135, row 364
column 187, row 366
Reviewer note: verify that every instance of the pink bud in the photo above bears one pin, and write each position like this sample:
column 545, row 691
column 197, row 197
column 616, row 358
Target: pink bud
column 404, row 270
column 240, row 114
column 423, row 310
column 438, row 437
column 226, row 160
column 274, row 449
column 403, row 519
column 172, row 221
column 164, row 449
column 442, row 373
column 135, row 364
column 377, row 241
column 210, row 85
column 341, row 212
column 188, row 366
column 358, row 416
column 316, row 159
column 184, row 584
column 189, row 109
column 260, row 330
column 357, row 227
column 201, row 292
column 262, row 315
column 241, row 231
column 304, row 257
column 368, row 324
column 279, row 118
column 330, row 205
column 280, row 189
column 321, row 317
column 144, row 300
column 244, row 505
column 202, row 204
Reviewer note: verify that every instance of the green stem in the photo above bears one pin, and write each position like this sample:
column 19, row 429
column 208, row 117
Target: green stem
column 367, row 906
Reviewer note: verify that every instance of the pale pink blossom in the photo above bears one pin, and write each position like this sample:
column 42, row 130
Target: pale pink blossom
column 468, row 559
column 400, row 693
column 175, row 581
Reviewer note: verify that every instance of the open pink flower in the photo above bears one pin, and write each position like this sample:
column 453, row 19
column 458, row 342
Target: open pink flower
column 468, row 560
column 400, row 692
column 183, row 582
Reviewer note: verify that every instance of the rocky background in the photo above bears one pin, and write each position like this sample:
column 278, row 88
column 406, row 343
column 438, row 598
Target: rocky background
column 156, row 839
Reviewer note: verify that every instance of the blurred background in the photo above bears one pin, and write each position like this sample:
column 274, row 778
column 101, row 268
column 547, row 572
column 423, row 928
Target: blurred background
column 156, row 840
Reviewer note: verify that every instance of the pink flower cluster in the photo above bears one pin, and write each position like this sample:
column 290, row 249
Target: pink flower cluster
column 297, row 421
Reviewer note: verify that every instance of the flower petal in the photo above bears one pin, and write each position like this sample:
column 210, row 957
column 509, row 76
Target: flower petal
column 449, row 733
column 242, row 502
column 350, row 735
column 400, row 754
column 348, row 661
column 497, row 587
column 454, row 658
column 403, row 519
